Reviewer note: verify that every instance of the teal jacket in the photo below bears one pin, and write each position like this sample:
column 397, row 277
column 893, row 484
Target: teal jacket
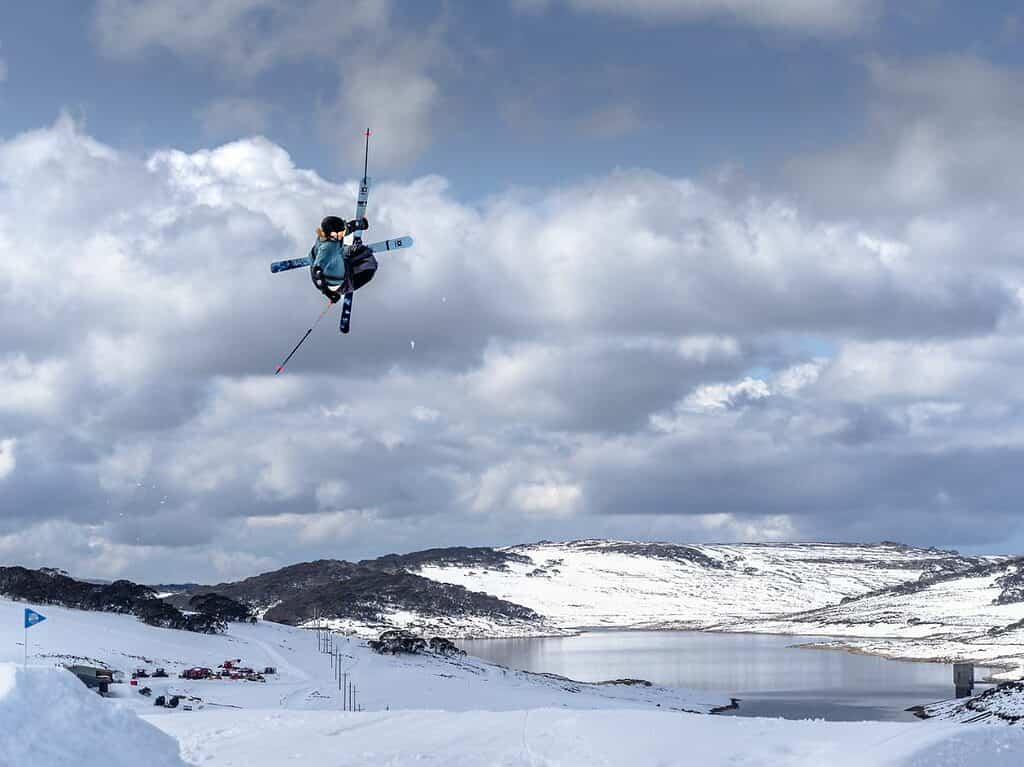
column 329, row 255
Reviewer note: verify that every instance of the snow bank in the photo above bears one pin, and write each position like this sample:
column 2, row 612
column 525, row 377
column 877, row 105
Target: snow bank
column 1004, row 703
column 48, row 717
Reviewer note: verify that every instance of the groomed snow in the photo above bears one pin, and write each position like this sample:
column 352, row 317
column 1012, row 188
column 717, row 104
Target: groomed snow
column 48, row 718
column 558, row 738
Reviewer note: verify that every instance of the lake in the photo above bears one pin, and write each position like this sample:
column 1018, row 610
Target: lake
column 769, row 675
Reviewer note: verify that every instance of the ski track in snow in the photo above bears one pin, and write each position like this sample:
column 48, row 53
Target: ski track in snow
column 550, row 738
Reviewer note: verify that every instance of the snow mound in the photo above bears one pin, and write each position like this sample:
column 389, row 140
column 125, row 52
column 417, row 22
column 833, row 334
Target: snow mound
column 48, row 717
column 1004, row 703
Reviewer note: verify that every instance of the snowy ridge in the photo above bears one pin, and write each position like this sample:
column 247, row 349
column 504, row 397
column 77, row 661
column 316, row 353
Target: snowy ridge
column 949, row 618
column 641, row 585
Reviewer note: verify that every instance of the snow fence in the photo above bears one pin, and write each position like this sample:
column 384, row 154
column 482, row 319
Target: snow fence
column 48, row 717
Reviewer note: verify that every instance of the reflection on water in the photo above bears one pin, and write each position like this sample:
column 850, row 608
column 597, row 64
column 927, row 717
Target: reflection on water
column 772, row 677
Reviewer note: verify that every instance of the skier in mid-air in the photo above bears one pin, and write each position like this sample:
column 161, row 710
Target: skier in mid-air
column 335, row 268
column 339, row 270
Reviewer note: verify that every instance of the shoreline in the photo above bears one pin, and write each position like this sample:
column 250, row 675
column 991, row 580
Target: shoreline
column 818, row 642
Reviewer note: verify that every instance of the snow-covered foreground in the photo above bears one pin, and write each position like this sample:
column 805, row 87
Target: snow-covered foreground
column 48, row 718
column 419, row 709
column 542, row 737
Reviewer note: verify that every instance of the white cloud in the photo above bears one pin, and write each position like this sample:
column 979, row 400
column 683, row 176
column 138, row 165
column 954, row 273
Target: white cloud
column 712, row 397
column 820, row 17
column 29, row 387
column 316, row 528
column 505, row 424
column 7, row 458
column 941, row 134
column 232, row 117
column 389, row 88
column 425, row 414
column 722, row 397
column 247, row 36
column 125, row 468
column 610, row 122
column 548, row 497
column 394, row 96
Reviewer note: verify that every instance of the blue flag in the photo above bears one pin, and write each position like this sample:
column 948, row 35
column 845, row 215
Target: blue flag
column 32, row 618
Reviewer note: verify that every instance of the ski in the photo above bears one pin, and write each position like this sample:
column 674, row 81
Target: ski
column 361, row 201
column 346, row 313
column 383, row 246
column 395, row 244
column 291, row 263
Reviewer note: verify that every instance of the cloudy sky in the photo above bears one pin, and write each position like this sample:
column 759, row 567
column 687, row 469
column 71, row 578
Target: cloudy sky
column 691, row 270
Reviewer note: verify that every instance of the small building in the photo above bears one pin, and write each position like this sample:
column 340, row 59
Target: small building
column 198, row 672
column 94, row 677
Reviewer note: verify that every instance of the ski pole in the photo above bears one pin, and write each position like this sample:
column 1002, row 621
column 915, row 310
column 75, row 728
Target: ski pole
column 303, row 339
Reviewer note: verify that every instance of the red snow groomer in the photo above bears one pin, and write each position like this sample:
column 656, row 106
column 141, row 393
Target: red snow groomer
column 197, row 672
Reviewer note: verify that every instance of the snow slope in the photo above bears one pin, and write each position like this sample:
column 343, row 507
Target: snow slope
column 950, row 620
column 1004, row 703
column 426, row 709
column 631, row 585
column 305, row 678
column 49, row 718
column 547, row 737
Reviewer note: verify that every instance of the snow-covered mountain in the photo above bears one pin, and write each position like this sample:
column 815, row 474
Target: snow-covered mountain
column 661, row 585
column 553, row 588
column 977, row 615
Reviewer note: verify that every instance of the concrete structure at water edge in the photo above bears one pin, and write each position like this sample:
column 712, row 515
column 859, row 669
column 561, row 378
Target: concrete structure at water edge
column 963, row 679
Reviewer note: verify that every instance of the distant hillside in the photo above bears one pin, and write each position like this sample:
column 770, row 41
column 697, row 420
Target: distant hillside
column 975, row 614
column 651, row 585
column 547, row 587
column 375, row 594
column 47, row 586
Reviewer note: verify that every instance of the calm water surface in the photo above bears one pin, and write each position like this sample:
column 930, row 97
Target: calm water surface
column 768, row 674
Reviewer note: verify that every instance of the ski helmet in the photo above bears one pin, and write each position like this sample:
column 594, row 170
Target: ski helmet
column 332, row 224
